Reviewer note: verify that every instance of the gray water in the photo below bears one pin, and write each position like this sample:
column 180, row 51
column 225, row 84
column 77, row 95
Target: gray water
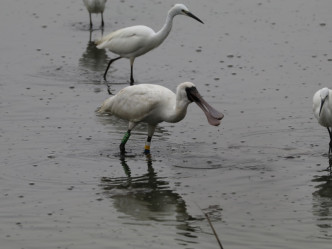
column 261, row 176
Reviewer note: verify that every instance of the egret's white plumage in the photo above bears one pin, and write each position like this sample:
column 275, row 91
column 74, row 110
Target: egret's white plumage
column 135, row 41
column 322, row 107
column 154, row 104
column 95, row 7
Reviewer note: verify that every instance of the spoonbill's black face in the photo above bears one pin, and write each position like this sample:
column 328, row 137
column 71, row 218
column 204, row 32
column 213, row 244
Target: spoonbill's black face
column 187, row 13
column 212, row 115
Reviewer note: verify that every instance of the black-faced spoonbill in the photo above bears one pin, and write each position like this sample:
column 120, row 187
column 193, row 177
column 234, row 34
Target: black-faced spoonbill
column 153, row 104
column 322, row 107
column 95, row 6
column 135, row 41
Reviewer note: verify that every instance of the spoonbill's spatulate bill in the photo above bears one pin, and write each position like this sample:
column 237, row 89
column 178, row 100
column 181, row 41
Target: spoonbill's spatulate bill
column 95, row 6
column 322, row 107
column 135, row 41
column 153, row 104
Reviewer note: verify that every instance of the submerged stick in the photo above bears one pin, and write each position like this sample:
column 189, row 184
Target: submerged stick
column 213, row 230
column 210, row 223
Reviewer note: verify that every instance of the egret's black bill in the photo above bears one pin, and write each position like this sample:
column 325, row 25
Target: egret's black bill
column 321, row 106
column 212, row 115
column 192, row 16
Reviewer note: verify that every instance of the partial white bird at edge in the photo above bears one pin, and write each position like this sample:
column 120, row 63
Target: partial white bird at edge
column 95, row 7
column 322, row 108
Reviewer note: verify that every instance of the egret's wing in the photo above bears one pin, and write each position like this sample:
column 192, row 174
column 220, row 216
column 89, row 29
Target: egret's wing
column 316, row 104
column 126, row 41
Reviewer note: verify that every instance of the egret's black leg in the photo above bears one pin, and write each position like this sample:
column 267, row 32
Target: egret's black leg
column 108, row 66
column 102, row 20
column 90, row 20
column 109, row 89
column 131, row 75
column 124, row 141
column 330, row 165
column 330, row 144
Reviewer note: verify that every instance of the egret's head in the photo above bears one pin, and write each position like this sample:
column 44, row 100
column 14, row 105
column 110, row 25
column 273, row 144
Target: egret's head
column 181, row 9
column 324, row 94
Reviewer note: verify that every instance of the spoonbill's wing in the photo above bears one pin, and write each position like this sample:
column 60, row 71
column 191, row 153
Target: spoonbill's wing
column 134, row 103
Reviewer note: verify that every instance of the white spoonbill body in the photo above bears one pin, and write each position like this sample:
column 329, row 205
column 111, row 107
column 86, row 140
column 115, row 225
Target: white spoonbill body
column 153, row 104
column 322, row 107
column 135, row 41
column 95, row 6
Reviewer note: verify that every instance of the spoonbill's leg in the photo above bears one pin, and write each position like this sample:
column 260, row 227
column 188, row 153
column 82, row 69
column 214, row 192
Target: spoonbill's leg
column 124, row 141
column 126, row 137
column 151, row 129
column 147, row 146
column 108, row 66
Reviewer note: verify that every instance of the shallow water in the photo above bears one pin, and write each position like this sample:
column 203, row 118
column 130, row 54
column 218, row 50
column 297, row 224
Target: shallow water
column 260, row 176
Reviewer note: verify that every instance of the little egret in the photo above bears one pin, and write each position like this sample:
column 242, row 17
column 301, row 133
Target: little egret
column 95, row 6
column 153, row 104
column 322, row 107
column 135, row 41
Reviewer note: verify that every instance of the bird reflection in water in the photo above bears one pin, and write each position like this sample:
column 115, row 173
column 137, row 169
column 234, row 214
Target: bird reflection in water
column 93, row 61
column 148, row 197
column 322, row 201
column 92, row 58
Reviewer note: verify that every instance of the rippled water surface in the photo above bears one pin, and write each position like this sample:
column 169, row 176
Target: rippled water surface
column 261, row 176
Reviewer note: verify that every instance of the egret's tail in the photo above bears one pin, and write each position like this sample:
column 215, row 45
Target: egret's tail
column 102, row 42
column 99, row 41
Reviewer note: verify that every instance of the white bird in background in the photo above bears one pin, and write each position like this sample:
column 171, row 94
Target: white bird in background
column 135, row 41
column 153, row 104
column 322, row 107
column 95, row 6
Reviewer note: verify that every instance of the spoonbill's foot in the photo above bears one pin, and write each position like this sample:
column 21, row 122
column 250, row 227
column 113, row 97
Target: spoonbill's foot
column 122, row 148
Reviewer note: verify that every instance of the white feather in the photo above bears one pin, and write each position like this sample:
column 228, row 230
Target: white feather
column 325, row 116
column 148, row 103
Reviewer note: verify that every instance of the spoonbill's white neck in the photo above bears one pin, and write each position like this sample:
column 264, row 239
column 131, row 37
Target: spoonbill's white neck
column 178, row 107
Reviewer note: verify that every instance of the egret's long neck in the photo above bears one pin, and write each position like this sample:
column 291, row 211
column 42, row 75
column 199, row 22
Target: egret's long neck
column 164, row 31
